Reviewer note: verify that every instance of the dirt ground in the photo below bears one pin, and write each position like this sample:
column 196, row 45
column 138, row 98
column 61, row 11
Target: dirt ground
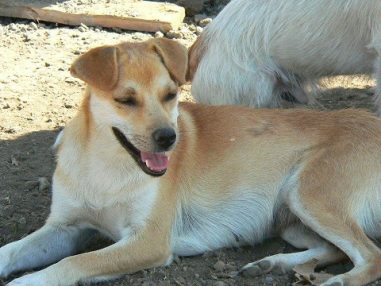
column 38, row 96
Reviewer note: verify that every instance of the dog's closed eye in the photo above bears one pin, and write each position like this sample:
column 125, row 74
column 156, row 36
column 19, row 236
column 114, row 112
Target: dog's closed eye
column 130, row 101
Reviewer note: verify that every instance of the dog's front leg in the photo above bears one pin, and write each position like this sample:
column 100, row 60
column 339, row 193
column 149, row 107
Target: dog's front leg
column 146, row 249
column 47, row 245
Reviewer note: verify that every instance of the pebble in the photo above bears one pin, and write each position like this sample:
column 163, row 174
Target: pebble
column 180, row 280
column 33, row 26
column 199, row 30
column 22, row 220
column 205, row 22
column 83, row 28
column 43, row 184
column 14, row 161
column 138, row 36
column 159, row 34
column 26, row 37
column 269, row 280
column 174, row 34
column 12, row 27
column 219, row 266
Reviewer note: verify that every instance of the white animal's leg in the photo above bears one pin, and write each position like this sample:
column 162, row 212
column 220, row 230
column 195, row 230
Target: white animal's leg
column 298, row 236
column 45, row 246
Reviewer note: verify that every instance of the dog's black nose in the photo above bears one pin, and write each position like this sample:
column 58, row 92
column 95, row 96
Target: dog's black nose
column 164, row 137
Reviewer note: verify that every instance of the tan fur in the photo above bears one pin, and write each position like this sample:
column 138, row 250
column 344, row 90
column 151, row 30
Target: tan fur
column 236, row 176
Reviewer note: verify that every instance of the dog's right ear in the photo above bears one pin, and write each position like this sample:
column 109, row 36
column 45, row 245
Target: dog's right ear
column 195, row 54
column 98, row 67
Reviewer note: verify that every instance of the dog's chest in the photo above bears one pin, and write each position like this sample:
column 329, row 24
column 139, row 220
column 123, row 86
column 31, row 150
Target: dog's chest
column 113, row 207
column 243, row 219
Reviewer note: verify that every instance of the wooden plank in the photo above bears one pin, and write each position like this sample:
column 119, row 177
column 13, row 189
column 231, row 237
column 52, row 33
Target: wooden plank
column 130, row 15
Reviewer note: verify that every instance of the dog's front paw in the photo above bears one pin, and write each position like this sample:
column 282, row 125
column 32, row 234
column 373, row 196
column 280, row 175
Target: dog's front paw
column 34, row 279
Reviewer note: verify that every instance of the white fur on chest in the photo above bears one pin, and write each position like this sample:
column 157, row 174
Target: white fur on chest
column 243, row 219
column 104, row 190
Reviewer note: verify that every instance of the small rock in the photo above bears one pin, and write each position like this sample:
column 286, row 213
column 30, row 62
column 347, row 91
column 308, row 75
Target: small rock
column 138, row 36
column 43, row 184
column 196, row 275
column 97, row 30
column 47, row 64
column 197, row 18
column 205, row 22
column 269, row 280
column 159, row 34
column 6, row 106
column 26, row 37
column 22, row 220
column 12, row 27
column 219, row 266
column 174, row 34
column 33, row 26
column 180, row 280
column 199, row 30
column 14, row 161
column 83, row 28
column 77, row 52
column 68, row 106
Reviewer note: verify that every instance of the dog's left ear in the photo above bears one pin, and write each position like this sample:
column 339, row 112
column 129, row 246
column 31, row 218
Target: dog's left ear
column 97, row 67
column 174, row 56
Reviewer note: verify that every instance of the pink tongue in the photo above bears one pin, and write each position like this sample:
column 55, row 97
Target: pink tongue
column 155, row 161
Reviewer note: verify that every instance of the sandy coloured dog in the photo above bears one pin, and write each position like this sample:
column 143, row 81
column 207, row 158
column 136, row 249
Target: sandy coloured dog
column 255, row 50
column 163, row 178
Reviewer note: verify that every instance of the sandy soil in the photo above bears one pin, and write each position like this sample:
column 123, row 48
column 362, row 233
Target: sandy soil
column 38, row 96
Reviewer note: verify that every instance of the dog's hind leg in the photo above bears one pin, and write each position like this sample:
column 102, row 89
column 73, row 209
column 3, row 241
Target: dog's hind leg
column 300, row 237
column 43, row 247
column 328, row 214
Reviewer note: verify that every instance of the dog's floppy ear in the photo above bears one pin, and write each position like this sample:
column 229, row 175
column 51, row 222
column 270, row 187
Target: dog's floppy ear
column 174, row 56
column 195, row 54
column 98, row 67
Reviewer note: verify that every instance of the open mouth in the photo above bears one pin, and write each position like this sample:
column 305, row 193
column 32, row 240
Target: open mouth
column 154, row 164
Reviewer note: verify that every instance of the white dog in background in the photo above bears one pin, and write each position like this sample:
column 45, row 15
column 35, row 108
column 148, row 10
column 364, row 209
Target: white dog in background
column 255, row 50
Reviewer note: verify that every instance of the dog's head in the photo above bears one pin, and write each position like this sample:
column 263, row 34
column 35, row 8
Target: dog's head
column 133, row 91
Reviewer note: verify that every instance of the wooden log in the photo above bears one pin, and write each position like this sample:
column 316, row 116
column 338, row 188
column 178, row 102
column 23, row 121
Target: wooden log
column 175, row 16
